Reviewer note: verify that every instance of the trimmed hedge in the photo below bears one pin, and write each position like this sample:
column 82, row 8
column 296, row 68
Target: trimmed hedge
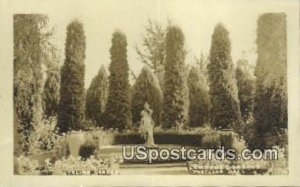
column 160, row 138
column 180, row 138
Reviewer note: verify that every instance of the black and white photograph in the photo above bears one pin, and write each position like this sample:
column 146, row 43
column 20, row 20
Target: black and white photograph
column 176, row 88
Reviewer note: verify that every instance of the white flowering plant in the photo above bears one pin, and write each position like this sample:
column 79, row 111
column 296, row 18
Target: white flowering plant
column 90, row 166
column 25, row 166
column 43, row 137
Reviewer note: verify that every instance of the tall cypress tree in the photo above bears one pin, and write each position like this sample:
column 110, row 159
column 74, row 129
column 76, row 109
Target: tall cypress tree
column 96, row 96
column 72, row 97
column 270, row 111
column 118, row 112
column 198, row 97
column 225, row 110
column 175, row 103
column 146, row 89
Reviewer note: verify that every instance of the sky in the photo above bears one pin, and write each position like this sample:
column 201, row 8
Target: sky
column 196, row 18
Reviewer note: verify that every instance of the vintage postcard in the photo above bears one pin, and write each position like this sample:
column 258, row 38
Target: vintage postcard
column 149, row 92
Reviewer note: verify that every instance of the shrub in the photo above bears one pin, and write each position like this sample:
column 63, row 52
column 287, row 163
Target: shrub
column 89, row 166
column 94, row 138
column 89, row 147
column 25, row 166
column 68, row 166
column 72, row 97
column 105, row 137
column 129, row 138
column 100, row 136
column 44, row 137
column 160, row 138
column 187, row 137
column 211, row 140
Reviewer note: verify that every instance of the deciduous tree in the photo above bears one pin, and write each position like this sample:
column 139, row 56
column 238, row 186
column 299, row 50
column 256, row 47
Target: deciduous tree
column 28, row 40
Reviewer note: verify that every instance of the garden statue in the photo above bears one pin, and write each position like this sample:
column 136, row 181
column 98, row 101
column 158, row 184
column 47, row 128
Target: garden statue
column 147, row 125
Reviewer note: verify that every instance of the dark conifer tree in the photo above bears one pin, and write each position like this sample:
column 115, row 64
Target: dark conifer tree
column 146, row 89
column 225, row 109
column 51, row 92
column 198, row 97
column 96, row 96
column 118, row 112
column 72, row 94
column 175, row 93
column 270, row 110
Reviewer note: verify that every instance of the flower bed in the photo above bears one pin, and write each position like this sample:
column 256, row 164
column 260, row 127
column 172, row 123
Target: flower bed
column 40, row 157
column 69, row 166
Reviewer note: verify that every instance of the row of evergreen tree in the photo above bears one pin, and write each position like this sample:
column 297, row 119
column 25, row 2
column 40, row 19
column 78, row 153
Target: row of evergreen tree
column 112, row 102
column 212, row 93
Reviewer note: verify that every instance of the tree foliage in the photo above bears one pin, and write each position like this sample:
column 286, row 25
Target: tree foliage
column 198, row 98
column 118, row 112
column 72, row 94
column 203, row 62
column 270, row 110
column 152, row 52
column 96, row 96
column 51, row 76
column 146, row 89
column 246, row 89
column 51, row 92
column 28, row 47
column 225, row 110
column 175, row 92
